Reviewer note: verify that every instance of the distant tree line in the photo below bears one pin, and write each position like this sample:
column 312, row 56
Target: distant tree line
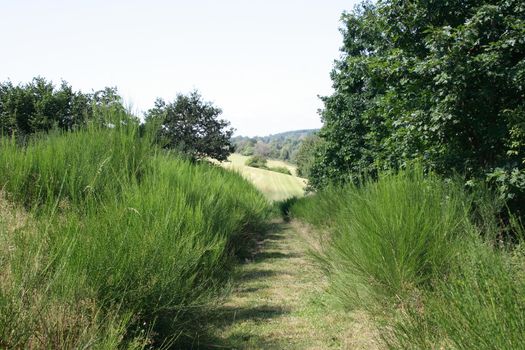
column 39, row 106
column 188, row 124
column 438, row 82
column 283, row 146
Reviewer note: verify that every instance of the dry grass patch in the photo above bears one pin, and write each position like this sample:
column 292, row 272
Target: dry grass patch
column 12, row 218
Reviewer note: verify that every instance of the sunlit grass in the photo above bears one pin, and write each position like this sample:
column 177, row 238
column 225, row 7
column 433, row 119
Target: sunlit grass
column 121, row 245
column 406, row 248
column 275, row 186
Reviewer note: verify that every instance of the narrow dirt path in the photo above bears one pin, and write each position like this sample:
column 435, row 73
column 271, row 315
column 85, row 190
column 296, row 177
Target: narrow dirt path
column 278, row 302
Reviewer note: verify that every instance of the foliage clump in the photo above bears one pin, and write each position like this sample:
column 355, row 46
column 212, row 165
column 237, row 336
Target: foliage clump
column 257, row 162
column 306, row 155
column 192, row 126
column 280, row 169
column 262, row 163
column 188, row 124
column 441, row 82
column 40, row 106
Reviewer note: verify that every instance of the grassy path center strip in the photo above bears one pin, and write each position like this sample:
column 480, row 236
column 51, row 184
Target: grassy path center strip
column 278, row 302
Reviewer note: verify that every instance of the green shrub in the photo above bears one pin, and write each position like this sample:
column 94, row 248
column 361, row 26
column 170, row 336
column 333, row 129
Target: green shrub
column 262, row 163
column 391, row 235
column 257, row 162
column 280, row 169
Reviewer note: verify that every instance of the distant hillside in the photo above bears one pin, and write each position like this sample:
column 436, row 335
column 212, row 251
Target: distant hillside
column 281, row 146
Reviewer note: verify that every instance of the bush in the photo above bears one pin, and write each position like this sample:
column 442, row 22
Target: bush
column 390, row 236
column 280, row 169
column 257, row 162
column 40, row 106
column 262, row 163
column 191, row 125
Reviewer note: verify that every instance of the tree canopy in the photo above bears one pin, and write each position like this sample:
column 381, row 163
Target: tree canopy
column 40, row 106
column 305, row 156
column 442, row 82
column 192, row 126
column 187, row 124
column 282, row 146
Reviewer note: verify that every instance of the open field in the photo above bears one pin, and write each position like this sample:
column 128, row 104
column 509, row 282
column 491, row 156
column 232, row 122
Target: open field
column 275, row 186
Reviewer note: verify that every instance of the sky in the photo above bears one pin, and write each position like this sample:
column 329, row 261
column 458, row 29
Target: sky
column 263, row 62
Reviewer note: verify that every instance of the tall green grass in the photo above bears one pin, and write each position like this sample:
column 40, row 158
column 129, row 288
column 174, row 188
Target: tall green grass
column 409, row 247
column 387, row 236
column 122, row 246
column 95, row 164
column 480, row 304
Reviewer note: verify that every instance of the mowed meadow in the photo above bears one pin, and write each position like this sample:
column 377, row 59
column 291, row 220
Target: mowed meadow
column 108, row 242
column 276, row 186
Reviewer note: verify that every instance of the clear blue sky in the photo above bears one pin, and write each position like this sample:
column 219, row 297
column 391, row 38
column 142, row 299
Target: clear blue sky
column 262, row 61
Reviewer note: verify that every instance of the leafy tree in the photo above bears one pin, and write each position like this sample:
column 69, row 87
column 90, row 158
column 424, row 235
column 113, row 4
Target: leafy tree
column 40, row 106
column 262, row 149
column 442, row 82
column 192, row 126
column 305, row 157
column 286, row 152
column 244, row 146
